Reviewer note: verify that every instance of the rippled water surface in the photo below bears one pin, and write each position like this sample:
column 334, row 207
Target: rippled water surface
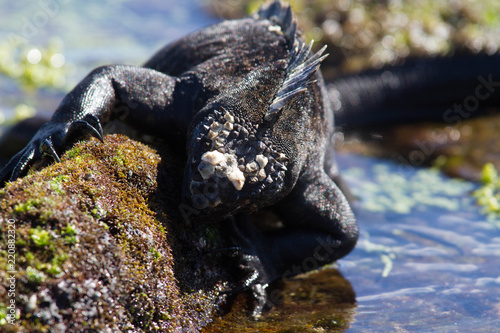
column 427, row 259
column 429, row 264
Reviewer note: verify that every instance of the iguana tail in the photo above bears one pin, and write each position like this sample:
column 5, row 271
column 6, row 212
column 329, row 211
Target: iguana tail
column 448, row 89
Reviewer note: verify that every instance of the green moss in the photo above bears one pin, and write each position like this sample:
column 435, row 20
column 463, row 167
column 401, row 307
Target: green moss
column 56, row 184
column 156, row 255
column 35, row 276
column 119, row 158
column 40, row 237
column 3, row 314
column 54, row 270
column 69, row 233
column 73, row 152
column 69, row 230
column 29, row 256
column 27, row 206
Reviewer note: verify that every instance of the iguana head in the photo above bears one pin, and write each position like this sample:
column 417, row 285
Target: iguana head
column 246, row 147
column 232, row 163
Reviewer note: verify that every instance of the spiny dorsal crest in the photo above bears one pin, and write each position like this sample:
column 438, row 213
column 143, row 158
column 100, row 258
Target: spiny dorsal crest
column 281, row 14
column 300, row 70
column 302, row 64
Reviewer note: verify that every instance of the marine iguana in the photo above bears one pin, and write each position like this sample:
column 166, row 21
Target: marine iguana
column 247, row 100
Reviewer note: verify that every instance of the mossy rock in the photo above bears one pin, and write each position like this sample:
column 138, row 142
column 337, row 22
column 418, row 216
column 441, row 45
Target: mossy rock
column 95, row 242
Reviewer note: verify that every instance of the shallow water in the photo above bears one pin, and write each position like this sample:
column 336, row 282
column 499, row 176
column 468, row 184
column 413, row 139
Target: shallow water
column 427, row 259
column 432, row 267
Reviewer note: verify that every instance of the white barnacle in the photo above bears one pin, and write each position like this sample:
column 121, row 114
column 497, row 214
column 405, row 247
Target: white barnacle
column 262, row 160
column 228, row 126
column 212, row 135
column 217, row 164
column 218, row 142
column 231, row 160
column 275, row 28
column 253, row 179
column 213, row 157
column 261, row 175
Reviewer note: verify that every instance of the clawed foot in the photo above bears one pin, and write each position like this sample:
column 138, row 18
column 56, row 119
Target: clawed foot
column 255, row 282
column 51, row 140
column 255, row 277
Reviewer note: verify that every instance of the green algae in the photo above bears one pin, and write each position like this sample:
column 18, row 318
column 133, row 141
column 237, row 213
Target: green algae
column 73, row 152
column 119, row 158
column 400, row 192
column 320, row 301
column 488, row 195
column 35, row 276
column 31, row 67
column 27, row 206
column 40, row 237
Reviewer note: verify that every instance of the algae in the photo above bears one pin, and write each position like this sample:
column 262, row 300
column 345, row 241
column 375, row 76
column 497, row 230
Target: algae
column 115, row 254
column 488, row 194
column 320, row 301
column 402, row 191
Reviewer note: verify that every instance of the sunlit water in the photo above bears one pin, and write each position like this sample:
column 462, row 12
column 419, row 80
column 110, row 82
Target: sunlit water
column 427, row 259
column 432, row 267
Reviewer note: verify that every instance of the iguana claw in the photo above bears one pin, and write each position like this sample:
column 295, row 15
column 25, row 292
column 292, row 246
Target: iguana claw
column 90, row 124
column 17, row 166
column 50, row 139
column 47, row 148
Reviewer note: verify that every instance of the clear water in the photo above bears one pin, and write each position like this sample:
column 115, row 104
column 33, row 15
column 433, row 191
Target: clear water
column 427, row 259
column 429, row 264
